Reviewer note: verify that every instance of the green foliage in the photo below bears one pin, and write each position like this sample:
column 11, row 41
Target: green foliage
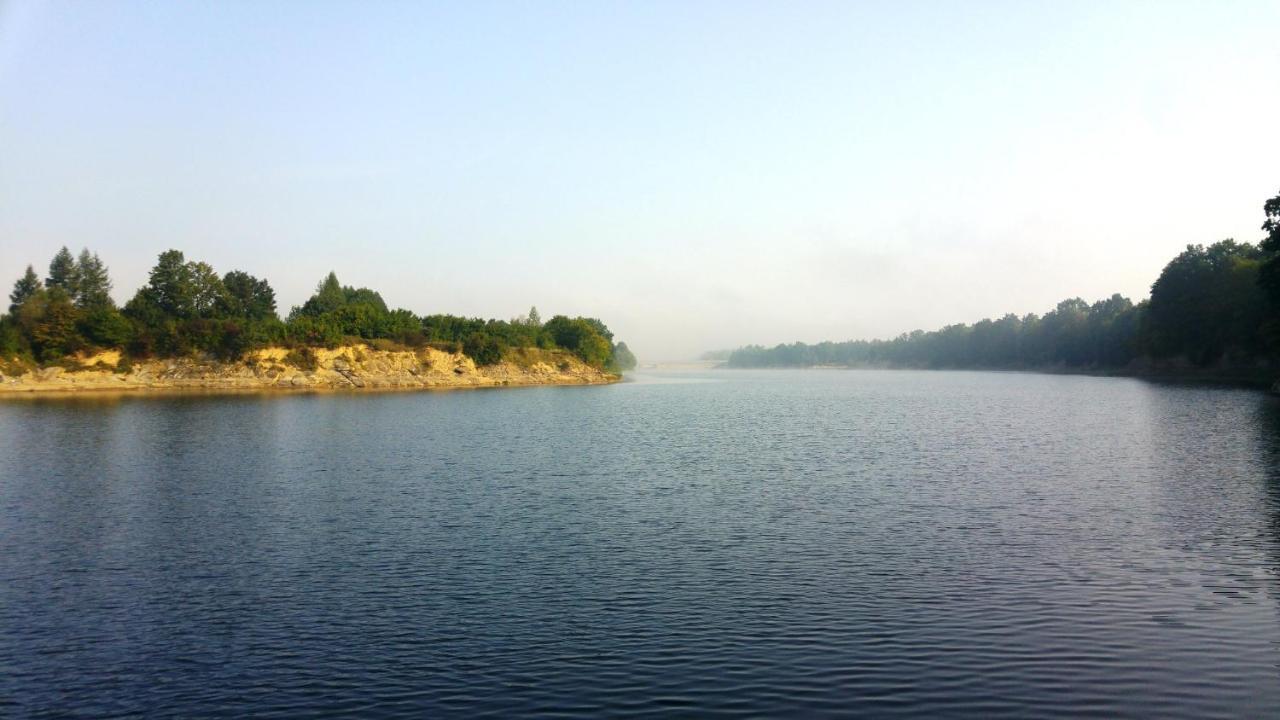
column 483, row 348
column 364, row 296
column 335, row 311
column 450, row 328
column 26, row 286
column 208, row 294
column 1207, row 302
column 1269, row 270
column 328, row 298
column 237, row 336
column 302, row 358
column 623, row 358
column 1210, row 305
column 63, row 273
column 170, row 288
column 93, row 287
column 1206, row 307
column 105, row 326
column 15, row 364
column 1074, row 334
column 595, row 351
column 1271, row 209
column 183, row 290
column 248, row 297
column 11, row 342
column 587, row 338
column 321, row 331
column 48, row 319
column 187, row 308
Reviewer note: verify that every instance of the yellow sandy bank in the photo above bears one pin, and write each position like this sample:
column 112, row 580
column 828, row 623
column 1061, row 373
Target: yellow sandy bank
column 351, row 367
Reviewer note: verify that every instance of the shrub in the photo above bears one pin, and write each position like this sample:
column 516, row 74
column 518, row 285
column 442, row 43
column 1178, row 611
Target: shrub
column 386, row 345
column 582, row 337
column 623, row 358
column 107, row 327
column 10, row 338
column 302, row 358
column 483, row 349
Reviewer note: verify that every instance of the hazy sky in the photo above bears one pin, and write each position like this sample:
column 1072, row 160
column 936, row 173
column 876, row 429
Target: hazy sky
column 697, row 174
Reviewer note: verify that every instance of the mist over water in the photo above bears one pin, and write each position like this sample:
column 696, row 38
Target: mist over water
column 692, row 543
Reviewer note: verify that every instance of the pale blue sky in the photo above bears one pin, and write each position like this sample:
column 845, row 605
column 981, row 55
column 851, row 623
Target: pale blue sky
column 697, row 174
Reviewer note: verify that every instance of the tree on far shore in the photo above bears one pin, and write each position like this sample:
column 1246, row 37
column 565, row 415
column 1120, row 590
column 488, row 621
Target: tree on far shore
column 1269, row 272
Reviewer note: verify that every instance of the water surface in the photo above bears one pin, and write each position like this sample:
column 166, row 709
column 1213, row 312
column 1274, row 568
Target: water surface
column 698, row 544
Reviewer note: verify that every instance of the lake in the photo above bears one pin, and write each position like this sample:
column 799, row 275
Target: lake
column 716, row 543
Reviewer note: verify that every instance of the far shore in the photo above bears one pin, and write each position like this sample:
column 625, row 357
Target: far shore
column 1263, row 380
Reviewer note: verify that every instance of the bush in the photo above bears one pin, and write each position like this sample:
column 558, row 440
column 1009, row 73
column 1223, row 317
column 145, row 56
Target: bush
column 413, row 338
column 107, row 327
column 582, row 337
column 15, row 365
column 483, row 349
column 302, row 358
column 623, row 358
column 10, row 338
column 314, row 331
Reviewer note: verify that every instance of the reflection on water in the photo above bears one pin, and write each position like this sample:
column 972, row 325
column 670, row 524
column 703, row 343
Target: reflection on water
column 692, row 543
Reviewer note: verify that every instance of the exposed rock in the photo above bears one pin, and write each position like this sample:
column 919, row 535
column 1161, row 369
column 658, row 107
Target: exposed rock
column 49, row 374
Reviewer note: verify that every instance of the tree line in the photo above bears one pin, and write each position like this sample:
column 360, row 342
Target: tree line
column 1211, row 307
column 186, row 308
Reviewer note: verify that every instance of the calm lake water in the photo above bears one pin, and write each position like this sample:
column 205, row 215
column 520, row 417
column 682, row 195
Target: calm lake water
column 695, row 544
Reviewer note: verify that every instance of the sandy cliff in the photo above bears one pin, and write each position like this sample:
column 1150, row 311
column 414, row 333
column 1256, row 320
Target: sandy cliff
column 345, row 368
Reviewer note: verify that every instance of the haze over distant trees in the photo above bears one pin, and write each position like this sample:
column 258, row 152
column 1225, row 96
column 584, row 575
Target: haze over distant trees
column 1215, row 306
column 187, row 308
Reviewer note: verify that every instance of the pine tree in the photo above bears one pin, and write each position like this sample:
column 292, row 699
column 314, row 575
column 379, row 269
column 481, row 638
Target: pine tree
column 27, row 285
column 63, row 273
column 53, row 334
column 328, row 298
column 94, row 288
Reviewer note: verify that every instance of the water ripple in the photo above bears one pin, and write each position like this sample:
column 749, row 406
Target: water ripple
column 744, row 544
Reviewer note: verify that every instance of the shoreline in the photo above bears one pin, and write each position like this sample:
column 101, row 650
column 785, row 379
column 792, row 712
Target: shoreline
column 1258, row 381
column 353, row 368
column 85, row 391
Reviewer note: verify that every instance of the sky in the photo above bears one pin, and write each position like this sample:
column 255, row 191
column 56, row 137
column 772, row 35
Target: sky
column 699, row 175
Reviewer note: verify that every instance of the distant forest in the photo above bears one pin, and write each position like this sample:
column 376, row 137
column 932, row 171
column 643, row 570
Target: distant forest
column 1212, row 308
column 188, row 309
